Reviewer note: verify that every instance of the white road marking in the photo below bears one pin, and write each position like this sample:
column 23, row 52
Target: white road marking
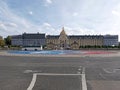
column 57, row 74
column 46, row 74
column 32, row 82
column 111, row 70
column 84, row 84
column 107, row 71
column 30, row 71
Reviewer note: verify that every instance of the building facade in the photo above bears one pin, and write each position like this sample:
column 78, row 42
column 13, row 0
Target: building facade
column 17, row 40
column 33, row 40
column 64, row 41
column 111, row 40
column 29, row 40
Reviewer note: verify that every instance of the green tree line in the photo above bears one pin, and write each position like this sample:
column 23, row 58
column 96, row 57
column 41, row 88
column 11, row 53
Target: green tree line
column 5, row 42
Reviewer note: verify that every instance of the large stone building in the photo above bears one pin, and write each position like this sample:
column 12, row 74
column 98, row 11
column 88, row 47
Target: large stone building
column 29, row 40
column 111, row 40
column 17, row 40
column 33, row 40
column 64, row 41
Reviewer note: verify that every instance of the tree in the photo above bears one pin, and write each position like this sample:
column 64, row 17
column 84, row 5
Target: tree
column 8, row 40
column 2, row 43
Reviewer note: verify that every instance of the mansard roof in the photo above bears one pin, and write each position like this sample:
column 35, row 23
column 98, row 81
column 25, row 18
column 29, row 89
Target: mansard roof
column 16, row 37
column 85, row 36
column 33, row 36
column 52, row 36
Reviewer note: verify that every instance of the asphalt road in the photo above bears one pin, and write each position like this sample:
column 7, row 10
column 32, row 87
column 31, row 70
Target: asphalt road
column 59, row 73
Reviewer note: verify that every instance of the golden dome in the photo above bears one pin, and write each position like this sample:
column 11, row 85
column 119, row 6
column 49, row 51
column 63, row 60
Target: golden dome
column 63, row 32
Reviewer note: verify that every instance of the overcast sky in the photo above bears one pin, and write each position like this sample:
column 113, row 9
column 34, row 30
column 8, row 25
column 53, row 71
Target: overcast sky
column 79, row 17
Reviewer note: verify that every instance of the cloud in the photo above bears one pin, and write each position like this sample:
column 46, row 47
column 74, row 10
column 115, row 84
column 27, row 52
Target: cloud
column 104, row 19
column 46, row 24
column 30, row 12
column 48, row 29
column 49, row 1
column 78, row 31
column 116, row 13
column 11, row 24
column 8, row 24
column 3, row 27
column 15, row 24
column 75, row 14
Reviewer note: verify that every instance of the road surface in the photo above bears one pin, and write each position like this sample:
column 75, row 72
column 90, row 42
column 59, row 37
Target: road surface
column 59, row 73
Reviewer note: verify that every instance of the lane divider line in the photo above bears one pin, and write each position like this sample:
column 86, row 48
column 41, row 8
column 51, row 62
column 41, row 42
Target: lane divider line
column 84, row 83
column 32, row 82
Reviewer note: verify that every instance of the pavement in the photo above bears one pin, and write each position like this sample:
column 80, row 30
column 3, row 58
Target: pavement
column 59, row 73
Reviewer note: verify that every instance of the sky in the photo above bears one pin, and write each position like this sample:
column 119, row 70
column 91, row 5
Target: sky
column 78, row 17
